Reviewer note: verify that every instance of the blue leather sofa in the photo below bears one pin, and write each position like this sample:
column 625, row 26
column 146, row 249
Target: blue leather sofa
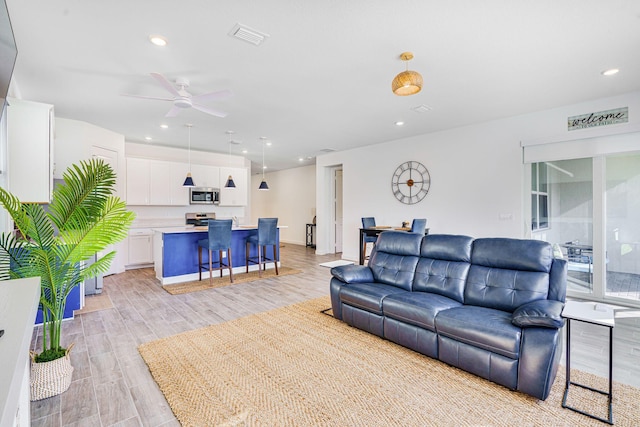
column 489, row 306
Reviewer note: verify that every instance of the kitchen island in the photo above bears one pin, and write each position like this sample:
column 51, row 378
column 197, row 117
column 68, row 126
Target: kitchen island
column 175, row 252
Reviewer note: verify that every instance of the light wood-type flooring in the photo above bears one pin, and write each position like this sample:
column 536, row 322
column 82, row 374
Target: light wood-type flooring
column 112, row 385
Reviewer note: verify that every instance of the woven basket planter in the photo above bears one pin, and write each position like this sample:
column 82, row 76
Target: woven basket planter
column 50, row 378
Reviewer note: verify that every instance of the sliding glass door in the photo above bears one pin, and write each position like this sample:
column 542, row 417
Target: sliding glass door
column 562, row 214
column 589, row 210
column 623, row 227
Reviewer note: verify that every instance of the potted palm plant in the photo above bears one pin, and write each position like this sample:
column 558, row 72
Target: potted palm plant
column 83, row 218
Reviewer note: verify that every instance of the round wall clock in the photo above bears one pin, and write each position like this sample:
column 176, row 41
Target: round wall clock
column 410, row 182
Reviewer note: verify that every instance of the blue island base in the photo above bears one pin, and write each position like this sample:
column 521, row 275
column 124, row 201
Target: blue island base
column 176, row 254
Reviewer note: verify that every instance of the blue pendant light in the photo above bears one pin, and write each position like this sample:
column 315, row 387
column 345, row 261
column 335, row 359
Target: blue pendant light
column 263, row 184
column 188, row 182
column 230, row 183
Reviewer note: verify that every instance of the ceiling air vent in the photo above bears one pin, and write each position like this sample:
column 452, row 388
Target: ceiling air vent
column 248, row 34
column 422, row 109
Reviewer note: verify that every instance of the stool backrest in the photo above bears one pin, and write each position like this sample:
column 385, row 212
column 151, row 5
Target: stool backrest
column 219, row 234
column 267, row 231
column 368, row 222
column 419, row 225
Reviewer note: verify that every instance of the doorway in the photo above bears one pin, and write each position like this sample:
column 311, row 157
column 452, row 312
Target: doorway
column 337, row 209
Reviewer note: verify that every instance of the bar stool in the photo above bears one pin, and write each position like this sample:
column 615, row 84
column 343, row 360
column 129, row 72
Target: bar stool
column 419, row 225
column 219, row 239
column 266, row 236
column 368, row 222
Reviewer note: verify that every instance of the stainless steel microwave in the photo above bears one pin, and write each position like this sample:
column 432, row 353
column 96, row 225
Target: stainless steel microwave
column 204, row 196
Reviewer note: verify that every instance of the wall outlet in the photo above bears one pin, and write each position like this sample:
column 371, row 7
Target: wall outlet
column 505, row 217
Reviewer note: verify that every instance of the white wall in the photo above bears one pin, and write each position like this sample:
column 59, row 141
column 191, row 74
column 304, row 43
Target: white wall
column 291, row 198
column 477, row 179
column 73, row 141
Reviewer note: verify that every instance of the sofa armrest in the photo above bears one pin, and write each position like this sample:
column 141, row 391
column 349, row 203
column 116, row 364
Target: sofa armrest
column 353, row 273
column 541, row 313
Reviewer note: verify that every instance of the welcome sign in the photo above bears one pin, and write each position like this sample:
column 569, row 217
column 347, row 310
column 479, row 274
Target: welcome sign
column 601, row 118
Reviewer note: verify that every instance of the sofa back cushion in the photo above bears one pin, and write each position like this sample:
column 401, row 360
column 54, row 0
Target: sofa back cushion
column 394, row 258
column 443, row 265
column 506, row 273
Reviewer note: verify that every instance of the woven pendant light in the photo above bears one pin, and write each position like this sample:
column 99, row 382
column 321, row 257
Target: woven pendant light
column 407, row 82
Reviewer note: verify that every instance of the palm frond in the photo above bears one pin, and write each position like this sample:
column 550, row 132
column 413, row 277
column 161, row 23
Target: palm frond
column 40, row 229
column 16, row 210
column 83, row 194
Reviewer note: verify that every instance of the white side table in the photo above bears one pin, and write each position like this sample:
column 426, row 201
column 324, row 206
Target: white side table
column 596, row 314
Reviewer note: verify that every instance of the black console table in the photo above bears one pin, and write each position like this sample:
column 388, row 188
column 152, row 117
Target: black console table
column 311, row 241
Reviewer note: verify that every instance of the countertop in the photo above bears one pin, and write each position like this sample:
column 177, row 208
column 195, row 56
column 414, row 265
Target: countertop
column 192, row 229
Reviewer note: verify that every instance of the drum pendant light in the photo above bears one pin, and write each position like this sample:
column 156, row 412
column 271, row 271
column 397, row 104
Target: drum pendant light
column 263, row 184
column 407, row 82
column 230, row 183
column 188, row 182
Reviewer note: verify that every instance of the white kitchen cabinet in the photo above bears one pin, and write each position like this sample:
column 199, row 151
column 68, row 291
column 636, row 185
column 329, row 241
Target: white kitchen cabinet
column 205, row 175
column 178, row 193
column 159, row 183
column 140, row 246
column 30, row 150
column 234, row 196
column 138, row 181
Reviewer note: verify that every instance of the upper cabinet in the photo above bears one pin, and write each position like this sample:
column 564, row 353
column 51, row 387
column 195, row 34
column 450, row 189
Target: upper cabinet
column 234, row 196
column 206, row 176
column 30, row 150
column 156, row 182
column 138, row 179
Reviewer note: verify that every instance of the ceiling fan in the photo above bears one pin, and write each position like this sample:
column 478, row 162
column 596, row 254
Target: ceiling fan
column 183, row 99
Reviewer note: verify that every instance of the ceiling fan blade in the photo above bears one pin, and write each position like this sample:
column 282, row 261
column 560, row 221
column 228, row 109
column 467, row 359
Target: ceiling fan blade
column 173, row 111
column 213, row 96
column 165, row 83
column 146, row 97
column 209, row 110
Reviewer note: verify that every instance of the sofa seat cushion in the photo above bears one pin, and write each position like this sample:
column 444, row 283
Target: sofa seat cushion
column 367, row 296
column 416, row 308
column 481, row 327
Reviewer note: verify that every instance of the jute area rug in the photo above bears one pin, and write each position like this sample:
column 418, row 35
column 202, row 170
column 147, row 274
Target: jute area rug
column 295, row 366
column 218, row 282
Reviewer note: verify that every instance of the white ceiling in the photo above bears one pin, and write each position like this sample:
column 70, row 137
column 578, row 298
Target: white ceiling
column 322, row 79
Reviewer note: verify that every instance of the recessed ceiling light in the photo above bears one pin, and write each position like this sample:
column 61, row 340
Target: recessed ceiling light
column 300, row 159
column 245, row 151
column 610, row 72
column 158, row 40
column 163, row 126
column 148, row 138
column 399, row 123
column 268, row 143
column 264, row 167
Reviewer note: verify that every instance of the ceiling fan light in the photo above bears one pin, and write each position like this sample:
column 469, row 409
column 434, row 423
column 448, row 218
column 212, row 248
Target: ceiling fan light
column 188, row 182
column 407, row 83
column 230, row 183
column 263, row 185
